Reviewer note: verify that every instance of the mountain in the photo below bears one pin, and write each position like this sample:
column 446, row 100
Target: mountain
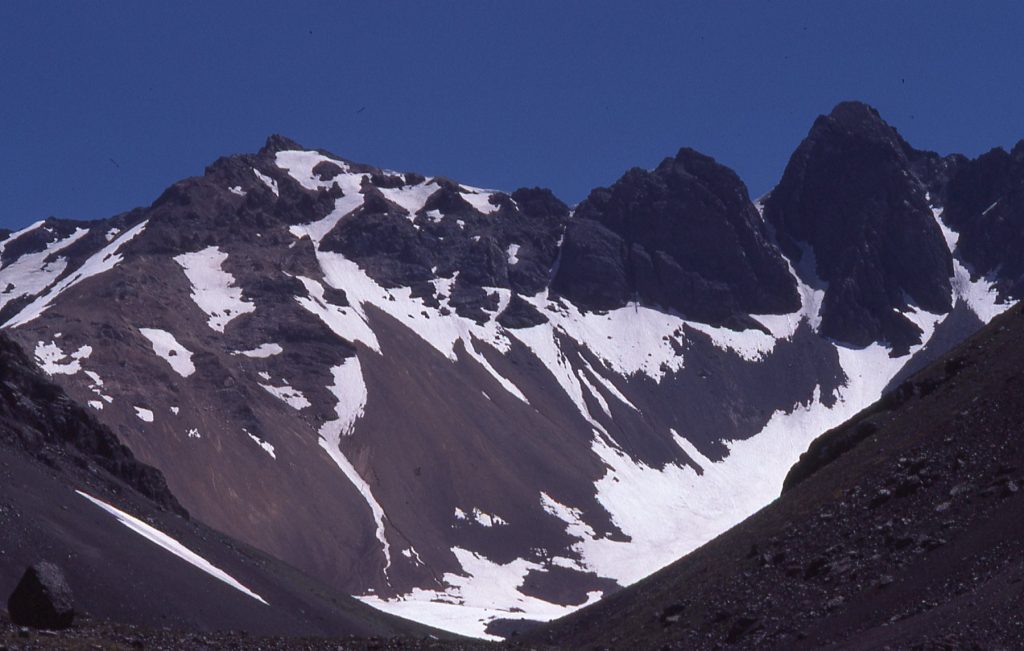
column 72, row 494
column 903, row 528
column 467, row 406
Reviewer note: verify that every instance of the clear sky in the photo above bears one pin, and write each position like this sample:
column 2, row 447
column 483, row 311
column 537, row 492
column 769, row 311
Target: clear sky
column 104, row 104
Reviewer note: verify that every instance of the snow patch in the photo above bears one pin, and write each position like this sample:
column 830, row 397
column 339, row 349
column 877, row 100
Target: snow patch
column 213, row 289
column 167, row 348
column 299, row 165
column 512, row 254
column 481, row 518
column 668, row 512
column 330, row 445
column 267, row 447
column 479, row 199
column 51, row 358
column 267, row 181
column 145, row 415
column 410, row 197
column 293, row 397
column 347, row 322
column 261, row 351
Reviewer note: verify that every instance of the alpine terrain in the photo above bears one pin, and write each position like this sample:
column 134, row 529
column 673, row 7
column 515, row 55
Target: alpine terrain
column 900, row 529
column 469, row 407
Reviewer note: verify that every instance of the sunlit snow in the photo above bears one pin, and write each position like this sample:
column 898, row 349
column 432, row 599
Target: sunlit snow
column 31, row 273
column 54, row 361
column 173, row 546
column 213, row 289
column 167, row 348
column 262, row 351
column 103, row 260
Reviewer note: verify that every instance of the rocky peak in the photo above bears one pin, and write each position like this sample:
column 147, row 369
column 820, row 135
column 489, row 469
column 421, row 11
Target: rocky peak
column 850, row 196
column 276, row 142
column 684, row 236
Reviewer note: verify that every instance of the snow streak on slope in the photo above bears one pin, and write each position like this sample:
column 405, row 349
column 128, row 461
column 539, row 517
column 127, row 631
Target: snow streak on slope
column 267, row 181
column 173, row 546
column 266, row 447
column 31, row 273
column 18, row 233
column 350, row 390
column 103, row 260
column 213, row 289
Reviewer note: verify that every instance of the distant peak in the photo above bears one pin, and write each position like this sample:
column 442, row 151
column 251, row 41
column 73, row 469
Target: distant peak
column 860, row 118
column 277, row 142
column 686, row 154
column 692, row 162
column 852, row 111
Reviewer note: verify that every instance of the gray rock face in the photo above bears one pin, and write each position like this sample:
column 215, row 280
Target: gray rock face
column 850, row 196
column 684, row 236
column 42, row 598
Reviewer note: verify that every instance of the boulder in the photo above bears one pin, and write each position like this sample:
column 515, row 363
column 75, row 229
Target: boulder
column 42, row 599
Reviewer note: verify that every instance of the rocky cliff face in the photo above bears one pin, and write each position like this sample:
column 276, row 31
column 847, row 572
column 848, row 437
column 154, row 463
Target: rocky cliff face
column 850, row 198
column 684, row 236
column 466, row 405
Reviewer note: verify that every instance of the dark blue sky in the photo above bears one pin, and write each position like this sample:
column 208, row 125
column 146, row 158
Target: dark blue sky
column 103, row 104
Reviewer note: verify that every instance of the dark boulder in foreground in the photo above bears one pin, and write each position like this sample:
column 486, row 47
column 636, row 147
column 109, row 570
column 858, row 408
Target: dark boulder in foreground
column 42, row 599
